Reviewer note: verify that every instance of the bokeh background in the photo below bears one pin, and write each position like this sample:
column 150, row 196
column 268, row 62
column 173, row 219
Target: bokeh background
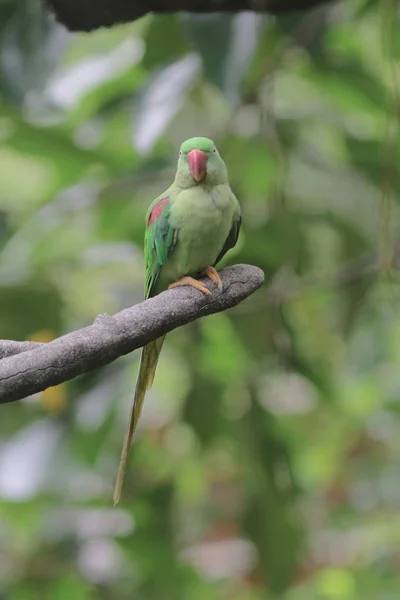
column 267, row 463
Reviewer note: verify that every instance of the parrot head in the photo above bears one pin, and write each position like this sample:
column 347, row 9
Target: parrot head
column 199, row 161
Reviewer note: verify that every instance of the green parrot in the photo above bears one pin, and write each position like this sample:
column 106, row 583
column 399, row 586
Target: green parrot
column 189, row 228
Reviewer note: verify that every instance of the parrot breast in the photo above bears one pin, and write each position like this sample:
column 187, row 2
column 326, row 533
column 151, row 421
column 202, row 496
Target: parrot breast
column 203, row 219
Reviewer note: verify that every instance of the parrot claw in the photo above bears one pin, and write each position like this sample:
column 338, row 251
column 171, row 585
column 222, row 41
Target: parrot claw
column 193, row 283
column 212, row 274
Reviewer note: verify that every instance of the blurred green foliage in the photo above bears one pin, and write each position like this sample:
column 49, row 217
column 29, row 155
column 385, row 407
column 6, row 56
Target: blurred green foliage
column 267, row 461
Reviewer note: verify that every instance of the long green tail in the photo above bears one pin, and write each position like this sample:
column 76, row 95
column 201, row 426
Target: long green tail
column 147, row 370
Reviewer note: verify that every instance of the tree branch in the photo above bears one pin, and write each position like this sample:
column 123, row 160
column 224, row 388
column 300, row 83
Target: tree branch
column 87, row 15
column 30, row 367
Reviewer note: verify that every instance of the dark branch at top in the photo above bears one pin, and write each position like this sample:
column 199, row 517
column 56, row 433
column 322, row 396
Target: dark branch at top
column 87, row 15
column 30, row 367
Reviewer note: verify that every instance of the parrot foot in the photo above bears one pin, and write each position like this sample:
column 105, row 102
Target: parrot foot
column 192, row 282
column 212, row 274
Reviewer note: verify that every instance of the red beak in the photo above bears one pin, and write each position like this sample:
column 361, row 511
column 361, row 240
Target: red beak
column 197, row 160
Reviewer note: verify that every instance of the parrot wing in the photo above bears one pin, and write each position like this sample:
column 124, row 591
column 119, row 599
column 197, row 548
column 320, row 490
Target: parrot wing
column 232, row 238
column 160, row 240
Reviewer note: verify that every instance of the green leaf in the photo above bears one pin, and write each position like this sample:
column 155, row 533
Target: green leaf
column 162, row 98
column 226, row 44
column 268, row 518
column 31, row 45
column 165, row 42
column 29, row 307
column 349, row 84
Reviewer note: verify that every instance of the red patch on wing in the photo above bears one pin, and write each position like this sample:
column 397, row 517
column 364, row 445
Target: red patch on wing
column 157, row 210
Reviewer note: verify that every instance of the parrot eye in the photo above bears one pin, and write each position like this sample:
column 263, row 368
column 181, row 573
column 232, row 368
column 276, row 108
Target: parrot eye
column 214, row 151
column 180, row 153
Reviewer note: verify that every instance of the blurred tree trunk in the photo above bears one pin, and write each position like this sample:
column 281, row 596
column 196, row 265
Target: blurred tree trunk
column 86, row 15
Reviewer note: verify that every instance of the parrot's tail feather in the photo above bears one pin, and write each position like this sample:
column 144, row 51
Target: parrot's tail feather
column 147, row 370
